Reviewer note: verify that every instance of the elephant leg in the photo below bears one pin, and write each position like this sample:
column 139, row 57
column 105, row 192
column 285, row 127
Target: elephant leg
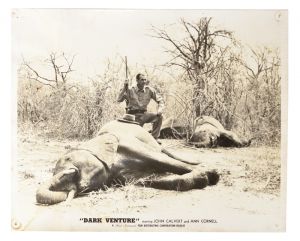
column 138, row 154
column 193, row 180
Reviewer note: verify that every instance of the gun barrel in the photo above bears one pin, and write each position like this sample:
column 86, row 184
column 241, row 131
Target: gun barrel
column 126, row 68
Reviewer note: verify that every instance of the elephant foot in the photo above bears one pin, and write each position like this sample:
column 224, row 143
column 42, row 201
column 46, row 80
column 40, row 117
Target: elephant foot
column 202, row 179
column 213, row 177
column 249, row 142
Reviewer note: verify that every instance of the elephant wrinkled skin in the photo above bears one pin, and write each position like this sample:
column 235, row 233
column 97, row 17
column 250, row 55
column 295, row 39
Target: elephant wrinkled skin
column 120, row 152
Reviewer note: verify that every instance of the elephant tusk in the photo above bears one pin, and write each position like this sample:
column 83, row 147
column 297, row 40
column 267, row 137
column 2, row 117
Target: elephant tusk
column 71, row 195
column 69, row 171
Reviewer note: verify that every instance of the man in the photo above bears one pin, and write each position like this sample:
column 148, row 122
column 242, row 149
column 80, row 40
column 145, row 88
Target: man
column 138, row 98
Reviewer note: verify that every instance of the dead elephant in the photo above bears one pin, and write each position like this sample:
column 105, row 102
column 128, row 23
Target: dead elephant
column 121, row 151
column 172, row 129
column 209, row 132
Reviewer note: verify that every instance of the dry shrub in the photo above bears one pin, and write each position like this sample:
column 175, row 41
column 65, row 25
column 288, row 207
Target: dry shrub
column 73, row 109
column 243, row 98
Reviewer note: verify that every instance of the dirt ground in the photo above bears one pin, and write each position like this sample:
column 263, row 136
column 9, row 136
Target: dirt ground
column 248, row 197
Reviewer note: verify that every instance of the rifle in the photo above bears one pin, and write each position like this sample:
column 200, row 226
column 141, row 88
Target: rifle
column 126, row 83
column 126, row 67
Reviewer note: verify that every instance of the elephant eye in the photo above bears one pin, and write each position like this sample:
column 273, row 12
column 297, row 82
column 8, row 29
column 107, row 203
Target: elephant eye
column 68, row 159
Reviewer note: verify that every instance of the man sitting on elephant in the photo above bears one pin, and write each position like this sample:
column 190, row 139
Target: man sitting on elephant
column 138, row 98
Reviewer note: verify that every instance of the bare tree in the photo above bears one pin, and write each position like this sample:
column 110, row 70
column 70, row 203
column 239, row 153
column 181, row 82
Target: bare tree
column 262, row 102
column 61, row 66
column 199, row 54
column 43, row 90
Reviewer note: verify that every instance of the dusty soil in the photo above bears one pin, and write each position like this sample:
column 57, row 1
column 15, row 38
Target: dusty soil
column 247, row 198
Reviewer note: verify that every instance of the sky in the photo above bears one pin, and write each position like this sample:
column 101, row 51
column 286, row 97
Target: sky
column 95, row 35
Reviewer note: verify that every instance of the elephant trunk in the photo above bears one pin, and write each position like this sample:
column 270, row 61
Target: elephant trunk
column 47, row 194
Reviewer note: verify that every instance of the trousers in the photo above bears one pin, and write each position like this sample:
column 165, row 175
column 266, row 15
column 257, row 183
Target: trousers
column 148, row 117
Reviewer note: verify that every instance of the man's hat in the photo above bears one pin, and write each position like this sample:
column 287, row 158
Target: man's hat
column 127, row 118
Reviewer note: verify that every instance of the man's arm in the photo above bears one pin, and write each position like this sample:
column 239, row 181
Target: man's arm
column 160, row 101
column 123, row 92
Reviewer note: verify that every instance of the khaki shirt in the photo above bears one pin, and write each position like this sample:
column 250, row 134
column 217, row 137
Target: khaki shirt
column 139, row 99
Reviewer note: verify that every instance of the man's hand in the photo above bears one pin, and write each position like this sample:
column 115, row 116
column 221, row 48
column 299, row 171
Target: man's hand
column 126, row 82
column 159, row 112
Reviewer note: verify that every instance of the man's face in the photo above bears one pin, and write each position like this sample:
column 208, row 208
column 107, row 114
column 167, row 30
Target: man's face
column 141, row 81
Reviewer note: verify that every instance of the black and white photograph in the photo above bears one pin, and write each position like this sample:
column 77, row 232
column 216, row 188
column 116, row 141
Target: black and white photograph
column 147, row 120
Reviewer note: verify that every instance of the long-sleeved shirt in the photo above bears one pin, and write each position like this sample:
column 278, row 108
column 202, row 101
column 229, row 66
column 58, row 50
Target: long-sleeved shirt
column 139, row 99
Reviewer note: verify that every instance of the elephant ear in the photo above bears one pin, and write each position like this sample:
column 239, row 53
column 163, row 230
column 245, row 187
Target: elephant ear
column 49, row 192
column 105, row 146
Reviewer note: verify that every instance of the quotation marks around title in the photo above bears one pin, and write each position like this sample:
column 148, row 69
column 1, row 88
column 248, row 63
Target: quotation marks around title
column 155, row 223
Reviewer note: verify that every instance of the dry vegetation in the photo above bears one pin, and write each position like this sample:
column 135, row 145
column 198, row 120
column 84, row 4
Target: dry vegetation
column 209, row 73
